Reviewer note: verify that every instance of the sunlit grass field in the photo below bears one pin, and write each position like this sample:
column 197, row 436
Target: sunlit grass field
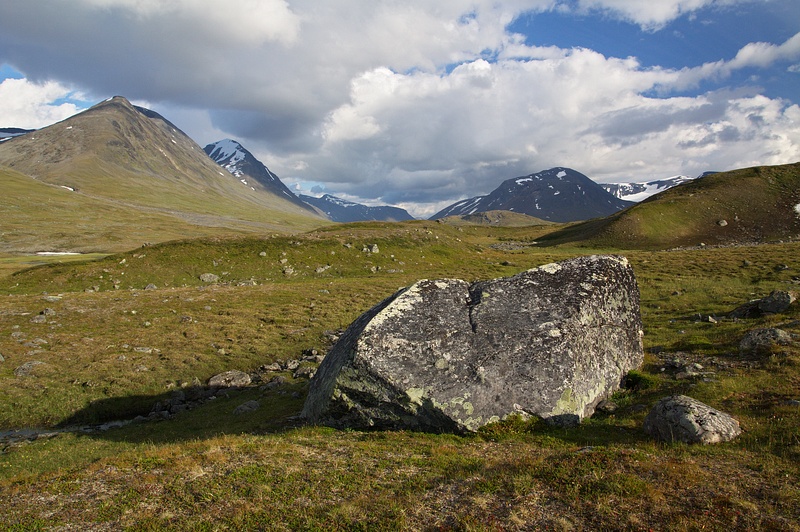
column 120, row 333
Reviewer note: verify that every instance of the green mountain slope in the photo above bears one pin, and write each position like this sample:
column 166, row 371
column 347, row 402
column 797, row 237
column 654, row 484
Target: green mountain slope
column 133, row 177
column 750, row 205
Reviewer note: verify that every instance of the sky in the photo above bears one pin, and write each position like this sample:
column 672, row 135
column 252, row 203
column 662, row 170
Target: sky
column 419, row 104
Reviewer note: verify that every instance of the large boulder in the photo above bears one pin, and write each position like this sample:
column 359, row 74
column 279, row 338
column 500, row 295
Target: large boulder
column 444, row 355
column 679, row 418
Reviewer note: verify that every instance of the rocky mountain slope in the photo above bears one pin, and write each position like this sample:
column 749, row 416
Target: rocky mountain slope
column 340, row 210
column 146, row 180
column 557, row 195
column 251, row 172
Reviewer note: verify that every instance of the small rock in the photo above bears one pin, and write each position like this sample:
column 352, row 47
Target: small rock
column 249, row 406
column 262, row 254
column 792, row 402
column 607, row 406
column 763, row 341
column 775, row 303
column 291, row 365
column 48, row 312
column 722, row 223
column 39, row 318
column 304, row 373
column 28, row 368
column 2, row 358
column 151, row 286
column 230, row 379
column 209, row 278
column 271, row 367
column 681, row 418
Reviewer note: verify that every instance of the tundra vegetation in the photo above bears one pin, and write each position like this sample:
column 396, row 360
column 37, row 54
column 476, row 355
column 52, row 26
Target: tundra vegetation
column 118, row 334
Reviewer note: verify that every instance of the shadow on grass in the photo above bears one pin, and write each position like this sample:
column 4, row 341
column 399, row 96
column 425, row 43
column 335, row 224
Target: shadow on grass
column 192, row 413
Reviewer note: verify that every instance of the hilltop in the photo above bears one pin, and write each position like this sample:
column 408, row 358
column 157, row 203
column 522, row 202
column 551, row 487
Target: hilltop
column 746, row 206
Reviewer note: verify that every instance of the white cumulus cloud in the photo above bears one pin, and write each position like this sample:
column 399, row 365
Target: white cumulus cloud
column 30, row 105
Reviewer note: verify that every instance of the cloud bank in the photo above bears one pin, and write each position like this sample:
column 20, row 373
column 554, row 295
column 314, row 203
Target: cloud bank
column 407, row 103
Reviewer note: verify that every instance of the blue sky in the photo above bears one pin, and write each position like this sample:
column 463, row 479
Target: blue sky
column 420, row 104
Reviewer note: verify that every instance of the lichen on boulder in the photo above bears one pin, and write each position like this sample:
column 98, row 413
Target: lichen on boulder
column 446, row 355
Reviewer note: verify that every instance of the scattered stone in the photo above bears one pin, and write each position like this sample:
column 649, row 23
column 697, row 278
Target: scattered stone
column 28, row 368
column 274, row 367
column 607, row 406
column 52, row 299
column 322, row 269
column 763, row 341
column 48, row 312
column 306, row 372
column 230, row 379
column 746, row 263
column 681, row 418
column 209, row 278
column 445, row 355
column 39, row 318
column 244, row 408
column 777, row 302
column 288, row 270
column 2, row 359
column 291, row 365
column 722, row 223
column 262, row 254
column 792, row 402
column 151, row 286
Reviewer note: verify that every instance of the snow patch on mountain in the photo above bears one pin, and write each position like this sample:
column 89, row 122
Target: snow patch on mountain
column 640, row 191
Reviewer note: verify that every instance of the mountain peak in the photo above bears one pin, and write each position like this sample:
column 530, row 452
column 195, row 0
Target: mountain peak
column 236, row 159
column 558, row 194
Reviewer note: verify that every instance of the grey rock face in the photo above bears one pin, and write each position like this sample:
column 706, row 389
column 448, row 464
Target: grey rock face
column 230, row 379
column 244, row 408
column 445, row 355
column 763, row 341
column 777, row 302
column 681, row 418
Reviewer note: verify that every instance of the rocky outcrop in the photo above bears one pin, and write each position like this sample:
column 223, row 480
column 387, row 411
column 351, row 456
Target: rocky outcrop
column 445, row 355
column 775, row 303
column 682, row 419
column 764, row 341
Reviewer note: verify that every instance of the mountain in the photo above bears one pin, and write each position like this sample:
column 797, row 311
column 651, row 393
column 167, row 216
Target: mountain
column 145, row 179
column 640, row 191
column 251, row 172
column 340, row 210
column 750, row 205
column 556, row 195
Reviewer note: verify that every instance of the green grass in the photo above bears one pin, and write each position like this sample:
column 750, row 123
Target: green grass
column 208, row 469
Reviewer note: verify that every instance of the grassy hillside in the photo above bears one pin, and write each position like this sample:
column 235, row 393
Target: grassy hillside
column 111, row 349
column 133, row 178
column 742, row 206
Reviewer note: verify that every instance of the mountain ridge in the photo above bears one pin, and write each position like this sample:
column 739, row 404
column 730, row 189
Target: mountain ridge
column 558, row 194
column 343, row 211
column 242, row 164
